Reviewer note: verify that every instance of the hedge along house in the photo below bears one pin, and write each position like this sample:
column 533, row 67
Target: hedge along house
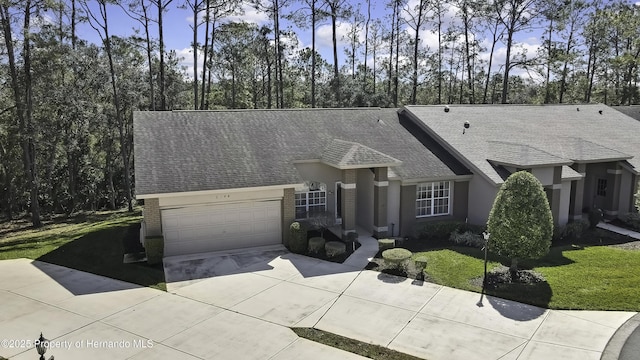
column 220, row 180
column 585, row 156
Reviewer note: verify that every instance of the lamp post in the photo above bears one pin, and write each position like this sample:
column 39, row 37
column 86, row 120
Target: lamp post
column 41, row 347
column 484, row 278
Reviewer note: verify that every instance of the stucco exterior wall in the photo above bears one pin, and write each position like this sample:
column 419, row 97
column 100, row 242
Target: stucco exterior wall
column 393, row 207
column 288, row 213
column 481, row 197
column 545, row 175
column 626, row 192
column 219, row 198
column 407, row 209
column 364, row 191
column 324, row 174
column 460, row 200
column 565, row 199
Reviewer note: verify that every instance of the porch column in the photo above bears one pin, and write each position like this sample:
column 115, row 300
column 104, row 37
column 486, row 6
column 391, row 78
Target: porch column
column 577, row 193
column 151, row 217
column 555, row 195
column 348, row 201
column 612, row 202
column 380, row 186
column 288, row 213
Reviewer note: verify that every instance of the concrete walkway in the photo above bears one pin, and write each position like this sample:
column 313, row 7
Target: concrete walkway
column 619, row 230
column 241, row 305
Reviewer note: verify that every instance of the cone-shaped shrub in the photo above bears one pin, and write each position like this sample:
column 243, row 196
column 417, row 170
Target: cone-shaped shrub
column 520, row 222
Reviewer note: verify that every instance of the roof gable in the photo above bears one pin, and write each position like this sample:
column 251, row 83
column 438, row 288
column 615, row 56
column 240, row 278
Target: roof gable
column 584, row 133
column 349, row 155
column 521, row 155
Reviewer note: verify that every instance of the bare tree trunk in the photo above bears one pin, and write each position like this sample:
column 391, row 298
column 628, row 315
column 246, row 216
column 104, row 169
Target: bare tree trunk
column 507, row 67
column 563, row 79
column 495, row 39
column 149, row 49
column 439, row 55
column 547, row 80
column 391, row 45
column 395, row 75
column 196, row 11
column 313, row 53
column 205, row 46
column 161, row 8
column 24, row 105
column 366, row 47
column 465, row 12
column 336, row 73
column 278, row 48
column 73, row 24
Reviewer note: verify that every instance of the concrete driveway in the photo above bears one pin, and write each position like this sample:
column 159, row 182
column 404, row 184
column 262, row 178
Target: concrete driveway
column 415, row 317
column 92, row 317
column 241, row 305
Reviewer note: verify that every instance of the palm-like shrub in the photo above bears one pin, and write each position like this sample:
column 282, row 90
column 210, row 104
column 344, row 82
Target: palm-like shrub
column 520, row 222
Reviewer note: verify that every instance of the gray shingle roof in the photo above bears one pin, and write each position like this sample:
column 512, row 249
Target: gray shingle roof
column 208, row 150
column 577, row 133
column 570, row 174
column 520, row 155
column 632, row 110
column 341, row 154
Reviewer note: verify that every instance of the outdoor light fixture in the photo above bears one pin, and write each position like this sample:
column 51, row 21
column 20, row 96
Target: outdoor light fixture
column 41, row 347
column 484, row 279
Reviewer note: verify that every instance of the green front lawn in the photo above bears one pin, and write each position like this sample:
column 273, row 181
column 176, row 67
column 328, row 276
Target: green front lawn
column 91, row 243
column 596, row 277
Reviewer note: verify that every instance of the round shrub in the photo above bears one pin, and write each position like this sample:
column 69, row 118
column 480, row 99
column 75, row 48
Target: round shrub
column 334, row 248
column 421, row 262
column 316, row 244
column 298, row 239
column 396, row 256
column 384, row 244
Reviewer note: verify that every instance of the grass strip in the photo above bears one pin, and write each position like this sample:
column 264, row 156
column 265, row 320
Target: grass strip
column 371, row 351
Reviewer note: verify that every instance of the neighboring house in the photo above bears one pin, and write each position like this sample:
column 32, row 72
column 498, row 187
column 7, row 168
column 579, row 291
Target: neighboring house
column 220, row 180
column 584, row 155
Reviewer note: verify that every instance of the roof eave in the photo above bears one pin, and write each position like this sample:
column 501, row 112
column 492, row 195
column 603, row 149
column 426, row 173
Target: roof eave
column 456, row 178
column 216, row 191
column 361, row 166
column 592, row 161
column 530, row 166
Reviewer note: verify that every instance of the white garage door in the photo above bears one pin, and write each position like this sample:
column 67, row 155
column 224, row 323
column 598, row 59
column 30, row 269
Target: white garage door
column 196, row 229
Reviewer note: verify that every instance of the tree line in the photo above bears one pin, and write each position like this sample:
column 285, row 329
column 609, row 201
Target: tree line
column 66, row 105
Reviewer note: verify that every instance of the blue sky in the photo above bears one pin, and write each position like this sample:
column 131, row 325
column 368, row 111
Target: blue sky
column 178, row 32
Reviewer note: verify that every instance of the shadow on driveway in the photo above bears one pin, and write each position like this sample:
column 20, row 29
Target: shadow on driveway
column 514, row 310
column 272, row 258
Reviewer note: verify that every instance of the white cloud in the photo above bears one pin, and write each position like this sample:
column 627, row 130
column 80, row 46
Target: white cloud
column 250, row 14
column 324, row 35
column 185, row 57
column 247, row 13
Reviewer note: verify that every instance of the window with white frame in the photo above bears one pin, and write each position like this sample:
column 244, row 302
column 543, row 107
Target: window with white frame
column 433, row 199
column 310, row 200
